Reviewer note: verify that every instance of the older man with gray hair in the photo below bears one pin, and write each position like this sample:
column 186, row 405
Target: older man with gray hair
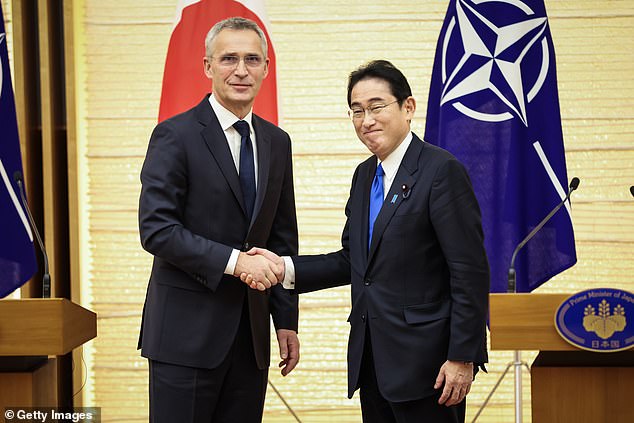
column 217, row 180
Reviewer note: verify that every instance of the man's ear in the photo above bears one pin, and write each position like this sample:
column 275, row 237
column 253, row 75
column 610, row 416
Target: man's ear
column 266, row 66
column 207, row 66
column 410, row 107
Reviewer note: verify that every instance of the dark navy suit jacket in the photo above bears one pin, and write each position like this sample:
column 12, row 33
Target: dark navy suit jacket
column 422, row 288
column 191, row 216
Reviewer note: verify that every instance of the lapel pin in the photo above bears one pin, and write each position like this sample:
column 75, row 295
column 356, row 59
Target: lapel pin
column 406, row 191
column 394, row 198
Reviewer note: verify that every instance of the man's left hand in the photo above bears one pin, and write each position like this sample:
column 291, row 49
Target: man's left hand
column 289, row 350
column 457, row 377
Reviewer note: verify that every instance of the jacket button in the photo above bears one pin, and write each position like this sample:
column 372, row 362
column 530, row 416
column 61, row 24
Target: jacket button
column 363, row 317
column 367, row 282
column 247, row 247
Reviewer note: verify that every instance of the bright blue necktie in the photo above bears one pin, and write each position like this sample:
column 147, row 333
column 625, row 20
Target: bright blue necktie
column 247, row 166
column 376, row 200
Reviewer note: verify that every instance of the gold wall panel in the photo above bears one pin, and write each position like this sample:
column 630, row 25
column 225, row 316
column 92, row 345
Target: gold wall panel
column 317, row 45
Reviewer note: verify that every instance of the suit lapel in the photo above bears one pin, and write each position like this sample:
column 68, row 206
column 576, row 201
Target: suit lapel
column 402, row 185
column 216, row 141
column 264, row 164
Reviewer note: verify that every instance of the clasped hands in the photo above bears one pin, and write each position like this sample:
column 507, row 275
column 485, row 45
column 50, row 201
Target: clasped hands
column 260, row 268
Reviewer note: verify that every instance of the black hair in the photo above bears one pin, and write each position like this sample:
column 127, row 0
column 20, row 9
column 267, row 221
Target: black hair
column 386, row 71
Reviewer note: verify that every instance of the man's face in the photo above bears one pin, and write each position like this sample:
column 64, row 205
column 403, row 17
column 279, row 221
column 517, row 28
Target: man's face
column 380, row 129
column 236, row 68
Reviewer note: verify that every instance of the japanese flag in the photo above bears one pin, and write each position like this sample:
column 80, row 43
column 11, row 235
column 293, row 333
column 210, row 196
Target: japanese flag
column 184, row 81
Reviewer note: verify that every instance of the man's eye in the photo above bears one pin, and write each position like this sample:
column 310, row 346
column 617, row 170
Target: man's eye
column 229, row 59
column 376, row 108
column 253, row 60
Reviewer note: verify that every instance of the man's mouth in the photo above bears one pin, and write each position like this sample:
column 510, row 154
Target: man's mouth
column 373, row 131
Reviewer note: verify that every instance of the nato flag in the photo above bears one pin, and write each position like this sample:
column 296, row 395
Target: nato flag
column 17, row 254
column 493, row 103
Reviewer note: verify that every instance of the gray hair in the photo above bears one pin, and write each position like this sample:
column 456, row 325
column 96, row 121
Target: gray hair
column 235, row 23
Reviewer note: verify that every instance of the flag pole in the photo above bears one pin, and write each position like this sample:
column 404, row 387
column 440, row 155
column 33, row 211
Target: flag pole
column 517, row 364
column 517, row 355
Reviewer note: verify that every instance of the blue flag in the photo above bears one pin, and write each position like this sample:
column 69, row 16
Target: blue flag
column 17, row 255
column 493, row 103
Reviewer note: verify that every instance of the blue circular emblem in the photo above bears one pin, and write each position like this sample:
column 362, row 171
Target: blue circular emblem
column 600, row 320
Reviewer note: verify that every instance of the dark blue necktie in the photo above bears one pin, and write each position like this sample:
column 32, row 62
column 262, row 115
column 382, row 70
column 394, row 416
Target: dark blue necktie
column 247, row 166
column 376, row 200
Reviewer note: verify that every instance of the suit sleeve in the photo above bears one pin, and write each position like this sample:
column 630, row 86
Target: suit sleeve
column 164, row 180
column 283, row 241
column 455, row 215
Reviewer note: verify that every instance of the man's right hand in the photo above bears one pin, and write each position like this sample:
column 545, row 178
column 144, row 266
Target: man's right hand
column 279, row 269
column 263, row 270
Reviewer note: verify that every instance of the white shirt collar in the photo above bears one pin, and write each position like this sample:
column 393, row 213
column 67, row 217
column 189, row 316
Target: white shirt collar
column 394, row 159
column 226, row 117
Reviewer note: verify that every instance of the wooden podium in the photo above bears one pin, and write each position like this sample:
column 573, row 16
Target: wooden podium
column 31, row 330
column 567, row 384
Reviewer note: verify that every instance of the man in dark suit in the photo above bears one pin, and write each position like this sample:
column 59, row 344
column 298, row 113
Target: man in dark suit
column 217, row 180
column 412, row 248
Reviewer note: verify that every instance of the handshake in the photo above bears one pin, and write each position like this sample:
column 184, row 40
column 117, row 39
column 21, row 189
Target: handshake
column 260, row 268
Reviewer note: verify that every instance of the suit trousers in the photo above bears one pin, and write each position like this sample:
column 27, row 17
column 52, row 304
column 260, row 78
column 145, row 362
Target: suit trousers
column 376, row 409
column 232, row 392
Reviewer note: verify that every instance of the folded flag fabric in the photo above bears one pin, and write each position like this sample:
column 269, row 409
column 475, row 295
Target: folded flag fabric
column 17, row 254
column 493, row 103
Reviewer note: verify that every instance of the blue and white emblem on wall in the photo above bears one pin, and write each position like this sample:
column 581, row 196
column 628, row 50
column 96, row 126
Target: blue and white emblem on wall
column 501, row 66
column 600, row 320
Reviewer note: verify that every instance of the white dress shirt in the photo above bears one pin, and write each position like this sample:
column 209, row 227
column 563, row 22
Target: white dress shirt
column 234, row 140
column 390, row 167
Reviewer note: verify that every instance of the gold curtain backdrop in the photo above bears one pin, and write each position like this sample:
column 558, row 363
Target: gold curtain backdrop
column 120, row 52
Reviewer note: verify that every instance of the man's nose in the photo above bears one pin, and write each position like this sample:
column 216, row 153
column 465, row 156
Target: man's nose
column 368, row 119
column 241, row 68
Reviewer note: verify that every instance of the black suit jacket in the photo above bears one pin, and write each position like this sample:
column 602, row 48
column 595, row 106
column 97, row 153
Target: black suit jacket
column 422, row 288
column 191, row 216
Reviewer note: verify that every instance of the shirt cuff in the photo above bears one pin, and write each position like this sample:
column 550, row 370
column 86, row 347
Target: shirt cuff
column 231, row 264
column 289, row 273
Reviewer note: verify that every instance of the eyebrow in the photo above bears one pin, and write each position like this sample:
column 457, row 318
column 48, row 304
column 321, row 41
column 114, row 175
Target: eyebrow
column 372, row 100
column 236, row 53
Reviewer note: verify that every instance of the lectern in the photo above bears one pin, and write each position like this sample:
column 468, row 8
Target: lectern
column 567, row 384
column 32, row 332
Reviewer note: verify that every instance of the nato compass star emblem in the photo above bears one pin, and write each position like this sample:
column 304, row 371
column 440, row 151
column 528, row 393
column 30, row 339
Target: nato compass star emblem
column 487, row 82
